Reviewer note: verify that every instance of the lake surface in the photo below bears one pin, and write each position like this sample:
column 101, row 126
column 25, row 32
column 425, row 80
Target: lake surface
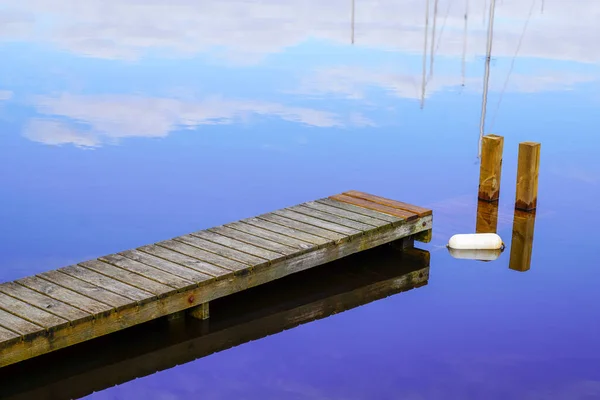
column 129, row 122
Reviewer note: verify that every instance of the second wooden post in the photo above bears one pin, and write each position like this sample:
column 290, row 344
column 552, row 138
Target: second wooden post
column 491, row 167
column 527, row 176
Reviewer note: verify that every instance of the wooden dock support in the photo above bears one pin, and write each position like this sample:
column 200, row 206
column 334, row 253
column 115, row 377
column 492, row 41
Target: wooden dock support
column 527, row 176
column 200, row 312
column 487, row 217
column 404, row 243
column 424, row 237
column 491, row 167
column 522, row 241
column 176, row 316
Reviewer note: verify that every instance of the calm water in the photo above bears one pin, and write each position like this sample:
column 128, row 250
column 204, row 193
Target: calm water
column 129, row 122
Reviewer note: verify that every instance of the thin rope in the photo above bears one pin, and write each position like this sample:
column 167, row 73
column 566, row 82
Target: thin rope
column 443, row 27
column 465, row 36
column 512, row 63
column 435, row 11
column 425, row 54
column 487, row 75
column 433, row 54
column 352, row 23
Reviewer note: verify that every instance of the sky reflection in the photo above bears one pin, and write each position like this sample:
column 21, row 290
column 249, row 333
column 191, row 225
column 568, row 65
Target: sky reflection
column 128, row 122
column 114, row 70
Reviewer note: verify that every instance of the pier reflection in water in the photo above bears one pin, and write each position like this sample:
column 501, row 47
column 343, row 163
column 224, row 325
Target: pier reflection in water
column 235, row 320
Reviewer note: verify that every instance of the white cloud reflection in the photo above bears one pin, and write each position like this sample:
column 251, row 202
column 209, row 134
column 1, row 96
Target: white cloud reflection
column 53, row 132
column 5, row 95
column 107, row 118
column 246, row 31
column 352, row 82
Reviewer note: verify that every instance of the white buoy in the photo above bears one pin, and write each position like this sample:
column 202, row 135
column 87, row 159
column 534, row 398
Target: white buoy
column 476, row 241
column 476, row 254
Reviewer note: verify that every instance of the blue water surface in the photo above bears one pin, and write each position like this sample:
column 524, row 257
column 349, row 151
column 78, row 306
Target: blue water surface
column 129, row 122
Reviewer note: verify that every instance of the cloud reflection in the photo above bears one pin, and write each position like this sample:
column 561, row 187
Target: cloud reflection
column 246, row 31
column 57, row 133
column 353, row 82
column 107, row 118
column 5, row 95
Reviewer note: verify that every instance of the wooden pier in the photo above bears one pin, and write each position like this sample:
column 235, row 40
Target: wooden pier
column 70, row 305
column 298, row 299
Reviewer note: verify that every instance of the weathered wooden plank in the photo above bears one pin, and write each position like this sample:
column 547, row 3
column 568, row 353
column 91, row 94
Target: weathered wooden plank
column 287, row 231
column 409, row 216
column 360, row 210
column 254, row 240
column 7, row 336
column 420, row 211
column 143, row 312
column 30, row 313
column 108, row 283
column 149, row 272
column 167, row 266
column 345, row 248
column 301, row 226
column 40, row 343
column 344, row 230
column 53, row 306
column 207, row 256
column 336, row 219
column 352, row 215
column 128, row 278
column 19, row 325
column 65, row 295
column 87, row 289
column 297, row 244
column 238, row 245
column 221, row 250
column 187, row 261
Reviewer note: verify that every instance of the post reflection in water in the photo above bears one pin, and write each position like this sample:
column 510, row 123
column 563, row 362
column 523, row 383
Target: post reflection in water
column 522, row 241
column 487, row 217
column 246, row 316
column 487, row 222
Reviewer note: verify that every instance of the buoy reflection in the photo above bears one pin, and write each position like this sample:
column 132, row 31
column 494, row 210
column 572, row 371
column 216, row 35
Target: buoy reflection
column 476, row 254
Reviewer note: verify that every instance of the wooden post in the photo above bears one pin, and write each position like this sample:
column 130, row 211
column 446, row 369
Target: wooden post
column 424, row 237
column 527, row 176
column 522, row 241
column 404, row 243
column 487, row 217
column 491, row 167
column 175, row 316
column 200, row 312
